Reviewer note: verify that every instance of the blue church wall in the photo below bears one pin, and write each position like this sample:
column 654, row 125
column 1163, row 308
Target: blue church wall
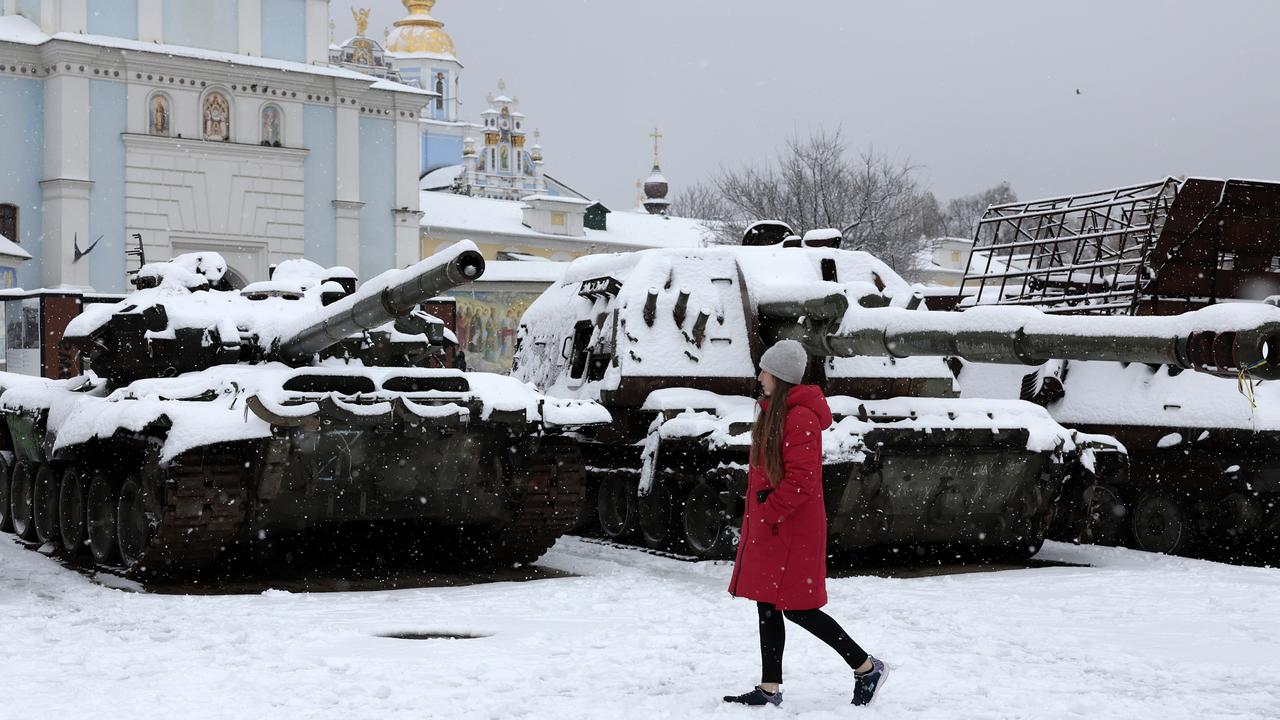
column 319, row 130
column 440, row 151
column 22, row 122
column 108, row 118
column 378, row 192
column 284, row 29
column 203, row 24
column 118, row 18
column 30, row 9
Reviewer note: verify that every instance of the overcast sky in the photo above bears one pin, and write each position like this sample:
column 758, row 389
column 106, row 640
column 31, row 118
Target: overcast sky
column 974, row 92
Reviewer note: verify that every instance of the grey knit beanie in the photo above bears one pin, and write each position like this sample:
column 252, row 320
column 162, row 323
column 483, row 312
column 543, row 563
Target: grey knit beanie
column 786, row 360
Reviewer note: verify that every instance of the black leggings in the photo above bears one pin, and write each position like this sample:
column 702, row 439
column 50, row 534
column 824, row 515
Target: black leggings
column 773, row 636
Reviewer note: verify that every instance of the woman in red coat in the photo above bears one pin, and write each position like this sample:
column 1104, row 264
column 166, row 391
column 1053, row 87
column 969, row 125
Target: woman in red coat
column 782, row 551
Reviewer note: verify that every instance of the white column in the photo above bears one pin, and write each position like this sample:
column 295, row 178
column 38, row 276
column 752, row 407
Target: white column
column 70, row 15
column 318, row 31
column 250, row 15
column 408, row 220
column 151, row 21
column 347, row 227
column 347, row 206
column 10, row 7
column 65, row 186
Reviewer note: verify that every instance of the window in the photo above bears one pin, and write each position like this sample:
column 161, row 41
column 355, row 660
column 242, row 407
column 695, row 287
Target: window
column 558, row 219
column 272, row 126
column 9, row 221
column 159, row 115
column 440, row 92
column 217, row 117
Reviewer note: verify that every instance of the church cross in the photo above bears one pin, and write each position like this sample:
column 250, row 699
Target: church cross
column 656, row 137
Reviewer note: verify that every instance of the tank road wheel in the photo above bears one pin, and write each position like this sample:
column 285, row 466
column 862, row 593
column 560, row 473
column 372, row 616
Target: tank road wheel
column 20, row 488
column 72, row 504
column 6, row 474
column 1161, row 524
column 1110, row 521
column 616, row 506
column 44, row 505
column 657, row 513
column 708, row 529
column 100, row 518
column 134, row 529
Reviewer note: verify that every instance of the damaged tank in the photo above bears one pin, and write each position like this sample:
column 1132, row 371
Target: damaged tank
column 668, row 341
column 212, row 419
column 1204, row 451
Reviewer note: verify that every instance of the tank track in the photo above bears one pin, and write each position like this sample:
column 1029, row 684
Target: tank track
column 205, row 510
column 551, row 485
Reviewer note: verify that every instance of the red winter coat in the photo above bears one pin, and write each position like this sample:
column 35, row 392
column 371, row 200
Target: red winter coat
column 782, row 552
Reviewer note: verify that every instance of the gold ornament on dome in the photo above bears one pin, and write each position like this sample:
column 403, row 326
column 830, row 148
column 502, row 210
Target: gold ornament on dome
column 420, row 33
column 361, row 17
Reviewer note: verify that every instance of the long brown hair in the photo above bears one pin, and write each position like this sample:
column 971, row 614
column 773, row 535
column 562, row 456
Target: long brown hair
column 766, row 435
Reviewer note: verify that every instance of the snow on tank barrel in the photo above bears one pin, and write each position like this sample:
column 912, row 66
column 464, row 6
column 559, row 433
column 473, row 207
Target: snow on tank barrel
column 1223, row 339
column 394, row 295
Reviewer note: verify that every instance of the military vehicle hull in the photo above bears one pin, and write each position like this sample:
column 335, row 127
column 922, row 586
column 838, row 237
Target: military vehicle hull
column 645, row 333
column 214, row 420
column 495, row 491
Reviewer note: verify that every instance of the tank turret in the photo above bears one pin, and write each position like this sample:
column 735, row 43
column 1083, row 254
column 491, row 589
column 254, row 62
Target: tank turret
column 182, row 318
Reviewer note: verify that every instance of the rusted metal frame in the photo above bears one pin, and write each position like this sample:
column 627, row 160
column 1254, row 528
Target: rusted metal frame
column 1023, row 273
column 1085, row 236
column 1107, row 222
column 1109, row 200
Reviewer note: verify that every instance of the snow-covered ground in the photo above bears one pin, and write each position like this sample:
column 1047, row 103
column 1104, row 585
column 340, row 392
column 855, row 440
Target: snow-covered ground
column 638, row 636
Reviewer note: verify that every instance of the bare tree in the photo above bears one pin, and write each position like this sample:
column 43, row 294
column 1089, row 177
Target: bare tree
column 874, row 200
column 698, row 202
column 963, row 213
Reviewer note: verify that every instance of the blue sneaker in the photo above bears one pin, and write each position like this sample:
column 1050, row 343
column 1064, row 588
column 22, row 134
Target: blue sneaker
column 756, row 697
column 866, row 684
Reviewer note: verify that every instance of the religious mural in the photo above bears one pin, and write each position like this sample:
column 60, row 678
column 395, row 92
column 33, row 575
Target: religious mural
column 217, row 117
column 158, row 117
column 487, row 324
column 272, row 126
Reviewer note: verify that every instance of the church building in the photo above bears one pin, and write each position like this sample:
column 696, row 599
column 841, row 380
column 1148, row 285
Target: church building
column 141, row 129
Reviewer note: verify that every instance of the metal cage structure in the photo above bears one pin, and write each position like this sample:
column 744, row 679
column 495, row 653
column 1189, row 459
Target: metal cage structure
column 1160, row 248
column 1086, row 254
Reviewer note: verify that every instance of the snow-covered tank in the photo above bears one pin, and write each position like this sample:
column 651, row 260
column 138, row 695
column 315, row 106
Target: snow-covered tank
column 668, row 341
column 1204, row 451
column 212, row 418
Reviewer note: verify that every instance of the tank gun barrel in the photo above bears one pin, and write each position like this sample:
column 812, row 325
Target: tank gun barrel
column 382, row 300
column 1221, row 339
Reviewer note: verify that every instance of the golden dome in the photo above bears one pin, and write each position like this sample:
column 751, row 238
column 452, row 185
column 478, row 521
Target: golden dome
column 419, row 33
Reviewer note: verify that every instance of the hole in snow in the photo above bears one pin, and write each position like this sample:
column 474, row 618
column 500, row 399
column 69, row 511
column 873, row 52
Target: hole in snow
column 431, row 636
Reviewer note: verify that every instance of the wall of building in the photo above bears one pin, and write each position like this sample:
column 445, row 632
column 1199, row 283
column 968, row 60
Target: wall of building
column 284, row 30
column 439, row 150
column 200, row 23
column 30, row 9
column 24, row 161
column 108, row 120
column 377, row 191
column 320, row 131
column 117, row 18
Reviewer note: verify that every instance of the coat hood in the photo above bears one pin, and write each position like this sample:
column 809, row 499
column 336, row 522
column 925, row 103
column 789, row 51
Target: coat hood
column 811, row 396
